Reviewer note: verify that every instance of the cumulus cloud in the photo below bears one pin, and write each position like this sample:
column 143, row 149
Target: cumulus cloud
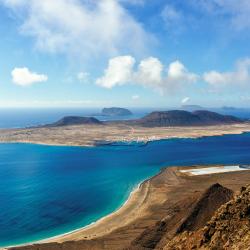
column 149, row 73
column 239, row 77
column 86, row 28
column 24, row 77
column 119, row 72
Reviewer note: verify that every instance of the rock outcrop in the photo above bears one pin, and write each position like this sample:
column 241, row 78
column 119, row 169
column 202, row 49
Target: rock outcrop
column 193, row 216
column 229, row 228
column 204, row 209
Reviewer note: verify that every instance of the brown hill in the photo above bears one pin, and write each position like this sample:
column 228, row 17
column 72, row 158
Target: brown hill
column 75, row 120
column 228, row 229
column 195, row 213
column 210, row 201
column 184, row 118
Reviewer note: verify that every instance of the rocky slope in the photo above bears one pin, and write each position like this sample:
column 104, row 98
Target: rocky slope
column 174, row 201
column 228, row 229
column 194, row 215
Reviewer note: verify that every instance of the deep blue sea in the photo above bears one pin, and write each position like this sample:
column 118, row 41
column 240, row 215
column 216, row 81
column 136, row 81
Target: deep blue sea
column 50, row 190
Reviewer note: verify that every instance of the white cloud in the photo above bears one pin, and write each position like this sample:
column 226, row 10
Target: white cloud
column 24, row 77
column 153, row 75
column 149, row 73
column 185, row 100
column 86, row 28
column 239, row 77
column 119, row 72
column 177, row 71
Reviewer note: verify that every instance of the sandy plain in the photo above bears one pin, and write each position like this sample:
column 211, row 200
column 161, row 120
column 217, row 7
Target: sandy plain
column 92, row 135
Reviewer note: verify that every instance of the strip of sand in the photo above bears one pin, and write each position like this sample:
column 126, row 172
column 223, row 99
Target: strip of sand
column 157, row 198
column 110, row 222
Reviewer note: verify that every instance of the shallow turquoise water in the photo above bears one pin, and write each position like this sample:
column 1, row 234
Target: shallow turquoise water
column 49, row 190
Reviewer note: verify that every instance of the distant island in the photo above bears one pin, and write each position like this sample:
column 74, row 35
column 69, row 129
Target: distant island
column 172, row 118
column 185, row 118
column 115, row 111
column 89, row 131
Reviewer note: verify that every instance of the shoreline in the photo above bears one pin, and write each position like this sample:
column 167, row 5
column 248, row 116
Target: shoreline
column 125, row 205
column 130, row 141
column 131, row 201
column 163, row 195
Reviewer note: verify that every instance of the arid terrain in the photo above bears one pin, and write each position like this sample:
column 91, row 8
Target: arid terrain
column 90, row 135
column 167, row 206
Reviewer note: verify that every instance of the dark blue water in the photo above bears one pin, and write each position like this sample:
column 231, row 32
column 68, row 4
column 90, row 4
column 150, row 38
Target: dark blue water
column 48, row 190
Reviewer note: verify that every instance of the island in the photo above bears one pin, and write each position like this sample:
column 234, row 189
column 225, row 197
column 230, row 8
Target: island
column 82, row 131
column 115, row 111
column 179, row 207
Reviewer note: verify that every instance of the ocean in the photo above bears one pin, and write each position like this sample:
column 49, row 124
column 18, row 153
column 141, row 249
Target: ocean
column 49, row 190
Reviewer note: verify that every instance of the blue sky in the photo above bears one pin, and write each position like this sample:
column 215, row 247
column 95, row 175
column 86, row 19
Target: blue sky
column 132, row 53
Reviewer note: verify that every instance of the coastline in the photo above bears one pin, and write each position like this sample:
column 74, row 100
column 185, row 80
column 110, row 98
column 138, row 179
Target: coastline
column 77, row 136
column 135, row 198
column 160, row 196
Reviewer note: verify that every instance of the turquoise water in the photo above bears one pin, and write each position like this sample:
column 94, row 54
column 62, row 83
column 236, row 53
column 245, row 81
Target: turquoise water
column 49, row 190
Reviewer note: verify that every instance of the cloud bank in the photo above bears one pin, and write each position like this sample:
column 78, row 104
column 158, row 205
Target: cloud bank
column 239, row 77
column 24, row 77
column 150, row 73
column 86, row 28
